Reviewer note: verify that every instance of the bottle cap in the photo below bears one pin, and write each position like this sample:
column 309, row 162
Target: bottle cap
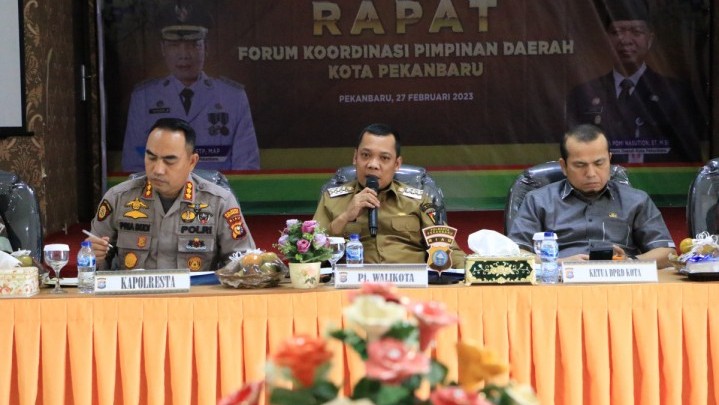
column 538, row 236
column 550, row 234
column 86, row 243
column 354, row 236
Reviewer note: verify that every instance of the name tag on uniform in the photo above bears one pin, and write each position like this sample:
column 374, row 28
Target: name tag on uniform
column 401, row 275
column 142, row 282
column 610, row 271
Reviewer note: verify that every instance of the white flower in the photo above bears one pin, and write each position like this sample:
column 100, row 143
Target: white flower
column 522, row 394
column 347, row 401
column 374, row 314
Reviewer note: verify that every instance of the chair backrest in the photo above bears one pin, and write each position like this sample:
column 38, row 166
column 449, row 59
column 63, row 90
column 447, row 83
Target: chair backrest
column 539, row 176
column 413, row 176
column 702, row 207
column 212, row 176
column 20, row 211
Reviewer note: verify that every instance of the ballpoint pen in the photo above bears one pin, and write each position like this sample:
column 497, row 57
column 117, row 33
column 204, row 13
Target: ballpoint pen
column 88, row 233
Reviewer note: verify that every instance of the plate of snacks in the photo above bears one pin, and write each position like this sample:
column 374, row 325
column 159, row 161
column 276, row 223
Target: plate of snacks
column 252, row 269
column 699, row 257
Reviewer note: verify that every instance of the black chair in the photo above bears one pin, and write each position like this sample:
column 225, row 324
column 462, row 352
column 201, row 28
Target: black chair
column 539, row 176
column 20, row 211
column 702, row 209
column 413, row 176
column 212, row 176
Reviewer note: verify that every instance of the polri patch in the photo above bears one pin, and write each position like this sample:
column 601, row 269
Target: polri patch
column 234, row 220
column 431, row 211
column 194, row 263
column 130, row 260
column 104, row 210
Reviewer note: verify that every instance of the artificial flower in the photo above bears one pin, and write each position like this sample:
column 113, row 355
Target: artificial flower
column 387, row 291
column 476, row 364
column 249, row 394
column 431, row 316
column 521, row 394
column 347, row 401
column 302, row 355
column 456, row 396
column 391, row 361
column 375, row 315
column 303, row 242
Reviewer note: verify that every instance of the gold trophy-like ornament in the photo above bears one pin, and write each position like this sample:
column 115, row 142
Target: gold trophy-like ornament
column 439, row 238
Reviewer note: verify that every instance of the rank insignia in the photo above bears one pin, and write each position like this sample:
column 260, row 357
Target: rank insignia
column 431, row 211
column 613, row 215
column 196, row 244
column 338, row 191
column 187, row 195
column 234, row 220
column 194, row 263
column 130, row 260
column 141, row 241
column 135, row 206
column 439, row 238
column 147, row 191
column 411, row 192
column 104, row 210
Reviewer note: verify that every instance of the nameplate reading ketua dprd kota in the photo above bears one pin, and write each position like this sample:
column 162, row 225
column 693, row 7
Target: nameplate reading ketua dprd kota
column 142, row 281
column 610, row 271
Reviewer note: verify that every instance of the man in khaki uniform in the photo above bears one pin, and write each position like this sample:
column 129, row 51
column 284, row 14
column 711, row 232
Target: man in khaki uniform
column 169, row 218
column 402, row 211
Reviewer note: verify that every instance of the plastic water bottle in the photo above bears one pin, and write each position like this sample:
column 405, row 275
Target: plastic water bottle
column 86, row 268
column 549, row 249
column 354, row 252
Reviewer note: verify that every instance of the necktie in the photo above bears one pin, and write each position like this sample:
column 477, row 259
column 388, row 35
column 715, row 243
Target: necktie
column 186, row 98
column 626, row 85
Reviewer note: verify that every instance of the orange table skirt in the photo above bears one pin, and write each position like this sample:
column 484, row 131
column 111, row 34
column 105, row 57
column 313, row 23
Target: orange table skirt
column 602, row 344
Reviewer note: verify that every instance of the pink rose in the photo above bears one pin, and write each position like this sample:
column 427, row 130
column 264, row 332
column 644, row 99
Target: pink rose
column 390, row 361
column 249, row 394
column 388, row 291
column 456, row 396
column 432, row 316
column 309, row 226
column 303, row 245
column 320, row 241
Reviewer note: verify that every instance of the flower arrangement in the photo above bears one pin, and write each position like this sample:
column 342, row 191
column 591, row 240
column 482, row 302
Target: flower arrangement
column 395, row 349
column 304, row 242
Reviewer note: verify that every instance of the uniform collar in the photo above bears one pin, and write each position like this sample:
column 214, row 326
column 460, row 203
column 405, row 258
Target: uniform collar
column 201, row 82
column 187, row 194
column 566, row 190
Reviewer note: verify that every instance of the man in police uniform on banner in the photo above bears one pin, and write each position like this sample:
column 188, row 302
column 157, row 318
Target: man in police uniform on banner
column 402, row 211
column 646, row 116
column 169, row 218
column 216, row 108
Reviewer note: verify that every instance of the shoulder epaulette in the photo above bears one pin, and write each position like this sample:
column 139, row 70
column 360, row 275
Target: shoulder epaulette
column 231, row 82
column 340, row 190
column 147, row 83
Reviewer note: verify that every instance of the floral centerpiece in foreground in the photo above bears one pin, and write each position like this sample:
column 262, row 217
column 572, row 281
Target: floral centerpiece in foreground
column 395, row 349
column 306, row 243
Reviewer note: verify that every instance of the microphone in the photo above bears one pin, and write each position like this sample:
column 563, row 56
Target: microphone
column 373, row 183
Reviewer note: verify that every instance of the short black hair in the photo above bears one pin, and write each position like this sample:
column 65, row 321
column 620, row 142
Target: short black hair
column 623, row 10
column 379, row 129
column 584, row 133
column 177, row 125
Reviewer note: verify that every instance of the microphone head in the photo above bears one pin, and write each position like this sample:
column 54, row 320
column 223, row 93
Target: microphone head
column 372, row 182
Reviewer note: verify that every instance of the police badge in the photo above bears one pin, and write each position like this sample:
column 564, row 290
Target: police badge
column 439, row 239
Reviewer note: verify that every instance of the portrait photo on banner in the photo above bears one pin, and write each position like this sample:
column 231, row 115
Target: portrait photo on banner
column 461, row 80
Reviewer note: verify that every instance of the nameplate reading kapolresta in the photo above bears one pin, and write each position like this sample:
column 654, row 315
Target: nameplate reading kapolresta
column 401, row 275
column 142, row 282
column 610, row 271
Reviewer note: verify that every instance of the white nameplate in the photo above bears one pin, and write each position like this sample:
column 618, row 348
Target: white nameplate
column 401, row 275
column 610, row 271
column 142, row 281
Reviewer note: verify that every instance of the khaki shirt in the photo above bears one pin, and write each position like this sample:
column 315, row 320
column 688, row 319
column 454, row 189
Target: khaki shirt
column 202, row 227
column 404, row 211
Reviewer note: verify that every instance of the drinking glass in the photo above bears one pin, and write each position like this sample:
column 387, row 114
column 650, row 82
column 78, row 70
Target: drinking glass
column 57, row 256
column 337, row 244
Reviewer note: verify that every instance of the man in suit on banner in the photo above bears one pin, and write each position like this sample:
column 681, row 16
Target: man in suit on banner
column 216, row 108
column 647, row 117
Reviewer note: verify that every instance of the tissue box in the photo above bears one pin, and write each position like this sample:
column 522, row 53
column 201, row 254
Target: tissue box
column 479, row 269
column 18, row 282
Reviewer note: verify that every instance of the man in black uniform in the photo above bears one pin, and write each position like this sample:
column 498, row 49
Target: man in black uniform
column 646, row 116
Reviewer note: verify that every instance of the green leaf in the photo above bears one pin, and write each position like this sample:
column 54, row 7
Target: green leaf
column 324, row 391
column 437, row 373
column 283, row 396
column 412, row 383
column 394, row 395
column 403, row 331
column 353, row 340
column 366, row 388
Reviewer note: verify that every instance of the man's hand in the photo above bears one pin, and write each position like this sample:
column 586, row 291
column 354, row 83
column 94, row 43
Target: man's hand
column 100, row 246
column 367, row 198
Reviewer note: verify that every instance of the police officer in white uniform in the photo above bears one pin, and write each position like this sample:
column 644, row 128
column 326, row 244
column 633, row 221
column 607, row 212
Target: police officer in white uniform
column 217, row 108
column 169, row 218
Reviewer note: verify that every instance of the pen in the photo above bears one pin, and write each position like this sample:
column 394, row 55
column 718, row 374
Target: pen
column 88, row 233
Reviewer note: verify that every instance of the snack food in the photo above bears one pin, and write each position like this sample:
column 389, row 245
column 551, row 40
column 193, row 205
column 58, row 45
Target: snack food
column 252, row 269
